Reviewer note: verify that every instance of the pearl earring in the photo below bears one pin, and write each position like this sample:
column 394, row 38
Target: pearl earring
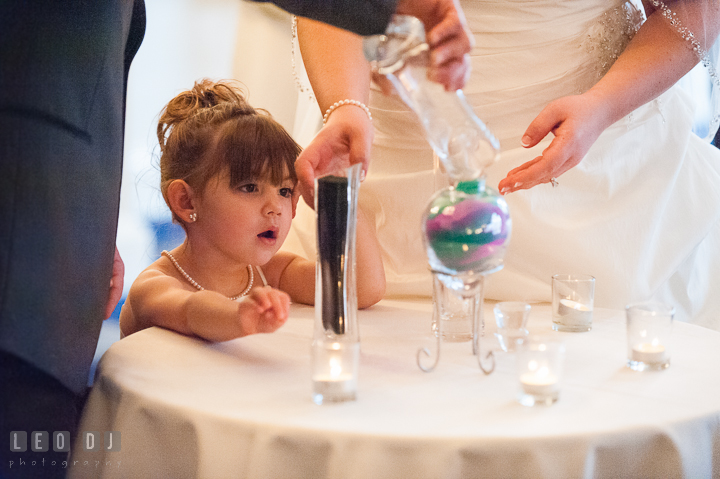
column 193, row 217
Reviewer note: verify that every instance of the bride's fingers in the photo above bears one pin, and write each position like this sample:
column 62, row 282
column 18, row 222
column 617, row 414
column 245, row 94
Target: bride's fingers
column 384, row 84
column 543, row 124
column 305, row 166
column 524, row 166
column 450, row 48
column 534, row 175
column 515, row 178
column 450, row 43
column 452, row 75
column 555, row 160
column 452, row 29
column 295, row 199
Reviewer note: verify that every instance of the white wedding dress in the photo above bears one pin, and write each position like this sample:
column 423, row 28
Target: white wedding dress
column 641, row 212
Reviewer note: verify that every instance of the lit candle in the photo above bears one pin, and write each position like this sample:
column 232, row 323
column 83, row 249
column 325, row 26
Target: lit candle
column 332, row 388
column 334, row 377
column 334, row 370
column 574, row 313
column 531, row 384
column 538, row 381
column 649, row 353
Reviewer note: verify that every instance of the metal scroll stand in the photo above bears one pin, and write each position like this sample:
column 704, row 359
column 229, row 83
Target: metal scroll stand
column 473, row 287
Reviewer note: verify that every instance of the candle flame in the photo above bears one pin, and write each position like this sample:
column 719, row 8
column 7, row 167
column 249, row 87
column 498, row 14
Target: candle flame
column 335, row 367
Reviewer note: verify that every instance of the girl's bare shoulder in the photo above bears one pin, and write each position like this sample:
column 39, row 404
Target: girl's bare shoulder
column 160, row 274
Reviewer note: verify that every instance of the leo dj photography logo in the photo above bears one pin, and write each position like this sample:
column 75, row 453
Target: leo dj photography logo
column 39, row 441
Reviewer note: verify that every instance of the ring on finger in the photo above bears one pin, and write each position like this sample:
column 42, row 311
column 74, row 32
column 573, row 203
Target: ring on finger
column 554, row 182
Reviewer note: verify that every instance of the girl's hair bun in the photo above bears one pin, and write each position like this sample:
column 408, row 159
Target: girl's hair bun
column 205, row 102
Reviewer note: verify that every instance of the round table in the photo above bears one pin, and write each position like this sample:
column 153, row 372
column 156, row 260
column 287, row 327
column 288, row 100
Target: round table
column 185, row 407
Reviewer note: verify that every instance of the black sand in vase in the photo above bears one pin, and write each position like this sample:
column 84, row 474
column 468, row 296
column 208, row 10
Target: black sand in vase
column 332, row 225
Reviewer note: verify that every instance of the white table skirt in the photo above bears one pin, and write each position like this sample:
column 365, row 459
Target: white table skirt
column 188, row 408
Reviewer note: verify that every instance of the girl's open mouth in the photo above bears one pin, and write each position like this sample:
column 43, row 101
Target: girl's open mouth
column 269, row 234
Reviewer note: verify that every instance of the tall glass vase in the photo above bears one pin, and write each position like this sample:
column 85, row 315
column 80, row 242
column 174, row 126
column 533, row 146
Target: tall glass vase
column 336, row 340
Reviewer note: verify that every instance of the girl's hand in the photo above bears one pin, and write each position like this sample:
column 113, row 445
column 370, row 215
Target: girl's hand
column 264, row 310
column 576, row 121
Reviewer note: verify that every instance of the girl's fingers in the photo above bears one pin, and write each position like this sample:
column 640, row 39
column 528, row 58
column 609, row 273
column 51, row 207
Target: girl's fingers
column 262, row 300
column 280, row 304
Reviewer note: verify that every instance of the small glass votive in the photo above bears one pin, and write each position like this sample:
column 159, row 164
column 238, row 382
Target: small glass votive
column 454, row 313
column 511, row 318
column 335, row 371
column 539, row 361
column 572, row 302
column 649, row 327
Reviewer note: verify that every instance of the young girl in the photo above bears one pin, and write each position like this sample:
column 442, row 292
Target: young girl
column 227, row 175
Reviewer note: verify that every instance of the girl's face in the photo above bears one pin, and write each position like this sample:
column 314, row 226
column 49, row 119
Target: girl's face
column 249, row 222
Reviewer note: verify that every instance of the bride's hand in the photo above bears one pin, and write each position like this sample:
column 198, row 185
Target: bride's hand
column 448, row 36
column 345, row 140
column 576, row 121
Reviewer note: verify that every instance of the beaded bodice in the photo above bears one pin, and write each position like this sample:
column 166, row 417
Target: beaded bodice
column 608, row 37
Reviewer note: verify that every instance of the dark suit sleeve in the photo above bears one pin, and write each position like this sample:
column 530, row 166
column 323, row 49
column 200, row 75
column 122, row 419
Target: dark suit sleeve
column 364, row 17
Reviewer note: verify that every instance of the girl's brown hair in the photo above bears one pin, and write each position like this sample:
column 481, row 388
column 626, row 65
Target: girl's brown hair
column 211, row 129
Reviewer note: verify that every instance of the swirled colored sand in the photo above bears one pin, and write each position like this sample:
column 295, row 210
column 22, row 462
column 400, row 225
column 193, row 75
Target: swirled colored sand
column 467, row 232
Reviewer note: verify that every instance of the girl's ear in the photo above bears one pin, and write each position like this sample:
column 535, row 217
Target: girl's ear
column 182, row 201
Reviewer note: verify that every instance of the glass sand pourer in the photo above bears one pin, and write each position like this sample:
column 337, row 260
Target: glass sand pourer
column 466, row 226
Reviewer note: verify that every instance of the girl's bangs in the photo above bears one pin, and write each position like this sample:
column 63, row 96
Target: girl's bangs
column 254, row 147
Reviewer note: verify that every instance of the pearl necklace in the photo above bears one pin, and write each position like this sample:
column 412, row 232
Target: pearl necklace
column 251, row 277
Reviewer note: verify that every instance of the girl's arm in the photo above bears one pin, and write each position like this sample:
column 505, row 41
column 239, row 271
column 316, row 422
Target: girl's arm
column 296, row 275
column 370, row 270
column 655, row 59
column 156, row 299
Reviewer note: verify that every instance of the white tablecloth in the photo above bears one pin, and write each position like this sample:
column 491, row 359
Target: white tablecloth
column 188, row 408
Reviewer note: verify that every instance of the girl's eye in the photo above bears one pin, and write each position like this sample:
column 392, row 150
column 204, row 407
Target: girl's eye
column 286, row 192
column 248, row 188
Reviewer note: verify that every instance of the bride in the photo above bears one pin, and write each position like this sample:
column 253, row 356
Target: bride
column 637, row 201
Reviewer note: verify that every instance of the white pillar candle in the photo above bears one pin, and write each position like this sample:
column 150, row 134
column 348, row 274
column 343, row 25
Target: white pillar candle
column 330, row 387
column 545, row 385
column 573, row 313
column 649, row 353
